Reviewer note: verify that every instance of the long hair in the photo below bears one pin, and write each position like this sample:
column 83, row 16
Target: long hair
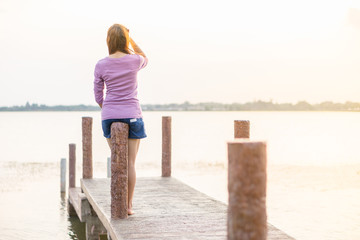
column 118, row 39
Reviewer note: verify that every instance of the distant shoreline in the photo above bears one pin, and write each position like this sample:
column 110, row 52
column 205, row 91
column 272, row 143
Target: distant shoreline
column 205, row 106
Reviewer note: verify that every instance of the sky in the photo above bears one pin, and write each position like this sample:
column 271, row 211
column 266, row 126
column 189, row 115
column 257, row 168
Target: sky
column 199, row 51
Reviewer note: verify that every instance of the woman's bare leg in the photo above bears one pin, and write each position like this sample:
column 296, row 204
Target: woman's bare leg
column 133, row 149
column 109, row 142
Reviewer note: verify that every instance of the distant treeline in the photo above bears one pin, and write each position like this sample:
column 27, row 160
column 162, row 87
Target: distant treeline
column 206, row 106
column 42, row 107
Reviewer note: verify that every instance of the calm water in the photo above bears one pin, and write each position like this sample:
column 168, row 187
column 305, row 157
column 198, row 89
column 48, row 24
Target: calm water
column 313, row 167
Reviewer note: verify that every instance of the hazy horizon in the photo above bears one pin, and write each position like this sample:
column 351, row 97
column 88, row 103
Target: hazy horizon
column 202, row 51
column 192, row 103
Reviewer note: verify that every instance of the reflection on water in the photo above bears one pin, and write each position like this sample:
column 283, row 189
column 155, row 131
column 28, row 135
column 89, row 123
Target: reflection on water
column 76, row 229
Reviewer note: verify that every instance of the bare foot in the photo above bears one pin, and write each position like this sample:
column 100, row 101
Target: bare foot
column 130, row 212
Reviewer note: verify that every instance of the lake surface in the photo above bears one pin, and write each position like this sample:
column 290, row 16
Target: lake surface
column 313, row 186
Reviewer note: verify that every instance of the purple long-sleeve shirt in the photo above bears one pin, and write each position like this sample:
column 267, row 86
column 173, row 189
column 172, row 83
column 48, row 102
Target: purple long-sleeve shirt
column 120, row 77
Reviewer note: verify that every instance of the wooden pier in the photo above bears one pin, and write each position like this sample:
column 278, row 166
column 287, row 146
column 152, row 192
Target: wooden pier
column 166, row 208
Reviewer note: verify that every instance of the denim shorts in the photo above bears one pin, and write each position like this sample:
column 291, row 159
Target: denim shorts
column 136, row 127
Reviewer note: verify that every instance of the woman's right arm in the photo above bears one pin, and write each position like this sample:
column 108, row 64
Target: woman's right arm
column 136, row 48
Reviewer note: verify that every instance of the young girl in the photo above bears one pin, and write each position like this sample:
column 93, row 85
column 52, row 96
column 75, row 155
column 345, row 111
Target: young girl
column 118, row 72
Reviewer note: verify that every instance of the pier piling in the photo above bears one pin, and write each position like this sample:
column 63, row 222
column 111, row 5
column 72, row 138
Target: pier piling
column 241, row 129
column 247, row 190
column 63, row 175
column 119, row 170
column 166, row 146
column 72, row 165
column 87, row 147
column 72, row 176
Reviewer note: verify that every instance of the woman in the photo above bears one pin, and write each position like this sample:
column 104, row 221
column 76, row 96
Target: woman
column 118, row 72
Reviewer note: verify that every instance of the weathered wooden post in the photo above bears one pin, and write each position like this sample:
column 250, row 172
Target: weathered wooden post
column 247, row 190
column 119, row 170
column 87, row 147
column 166, row 147
column 72, row 176
column 241, row 129
column 63, row 175
column 109, row 167
column 72, row 165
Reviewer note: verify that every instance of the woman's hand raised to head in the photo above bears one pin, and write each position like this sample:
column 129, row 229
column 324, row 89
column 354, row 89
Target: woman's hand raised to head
column 136, row 48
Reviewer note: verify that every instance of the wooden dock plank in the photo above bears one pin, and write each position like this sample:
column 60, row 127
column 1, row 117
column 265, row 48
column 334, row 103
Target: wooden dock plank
column 74, row 199
column 165, row 208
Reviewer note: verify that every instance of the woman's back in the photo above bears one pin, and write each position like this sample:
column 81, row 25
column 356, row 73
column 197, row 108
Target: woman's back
column 120, row 77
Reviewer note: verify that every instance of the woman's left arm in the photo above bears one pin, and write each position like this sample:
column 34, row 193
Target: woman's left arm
column 98, row 87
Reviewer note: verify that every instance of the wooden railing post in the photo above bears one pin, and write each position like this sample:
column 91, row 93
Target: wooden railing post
column 72, row 165
column 63, row 175
column 166, row 147
column 247, row 190
column 87, row 147
column 241, row 129
column 119, row 170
